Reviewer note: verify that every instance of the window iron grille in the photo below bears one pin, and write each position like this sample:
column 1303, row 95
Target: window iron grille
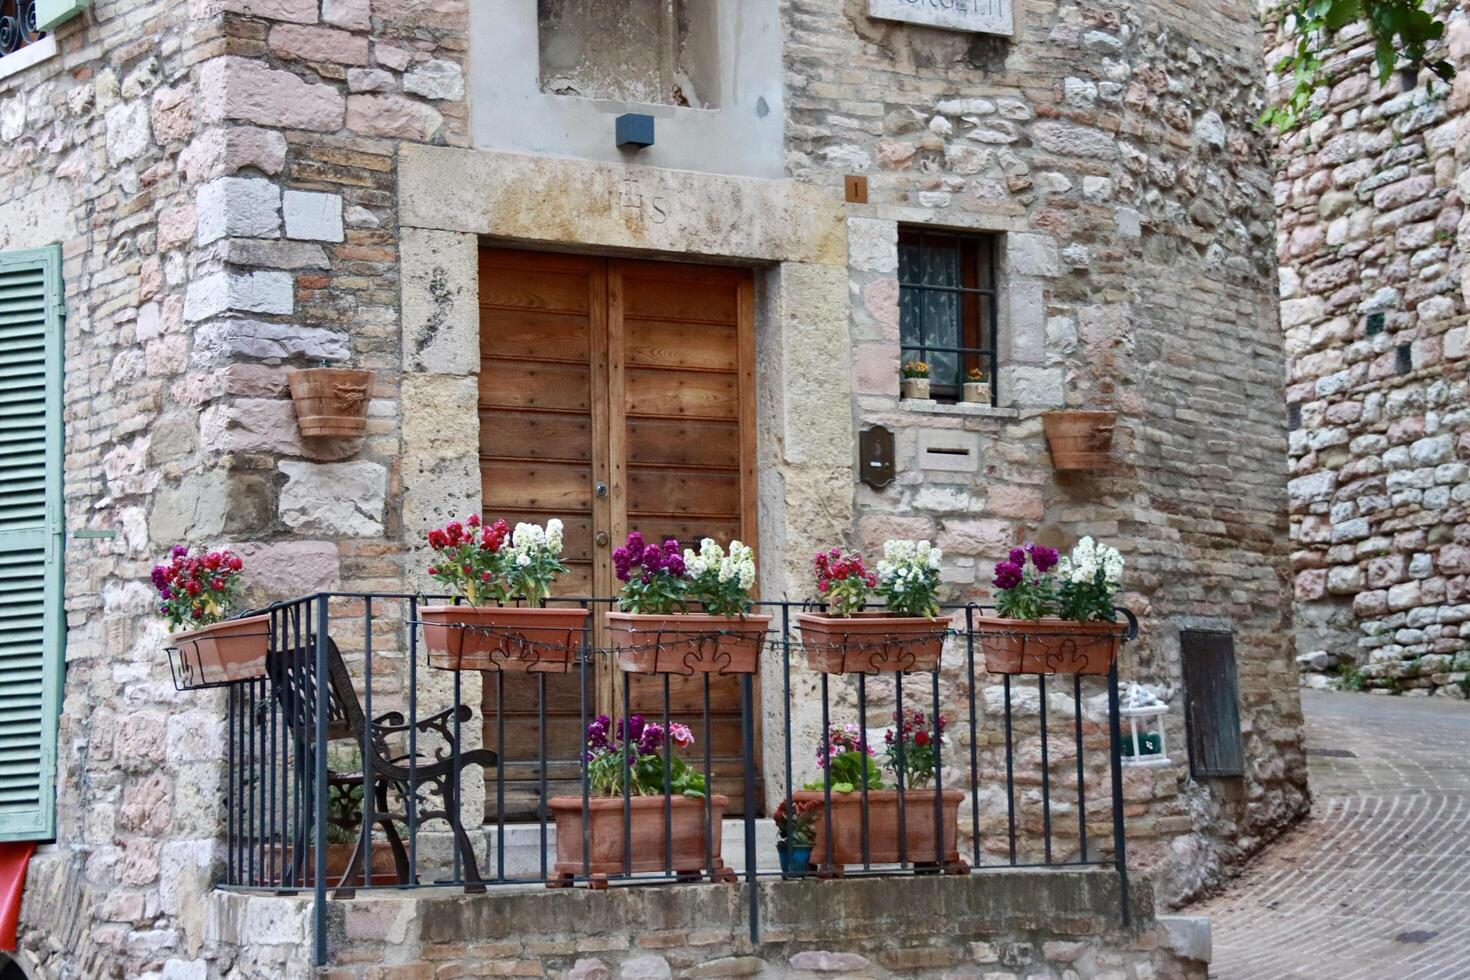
column 948, row 302
column 18, row 25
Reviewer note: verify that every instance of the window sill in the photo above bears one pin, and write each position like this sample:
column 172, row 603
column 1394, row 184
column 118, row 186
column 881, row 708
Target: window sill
column 929, row 406
column 27, row 56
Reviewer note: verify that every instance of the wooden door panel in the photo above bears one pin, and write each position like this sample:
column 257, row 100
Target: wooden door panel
column 565, row 438
column 541, row 335
column 671, row 344
column 683, row 442
column 683, row 394
column 640, row 375
column 672, row 492
column 525, row 386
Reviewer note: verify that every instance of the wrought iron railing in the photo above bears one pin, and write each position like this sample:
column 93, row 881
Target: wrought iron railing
column 350, row 670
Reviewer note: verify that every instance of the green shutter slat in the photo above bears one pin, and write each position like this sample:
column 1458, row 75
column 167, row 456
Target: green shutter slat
column 31, row 624
column 49, row 13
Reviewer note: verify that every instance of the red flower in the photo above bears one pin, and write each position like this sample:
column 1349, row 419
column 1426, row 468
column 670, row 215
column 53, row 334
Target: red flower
column 921, row 739
column 473, row 520
column 235, row 563
column 433, row 570
column 217, row 584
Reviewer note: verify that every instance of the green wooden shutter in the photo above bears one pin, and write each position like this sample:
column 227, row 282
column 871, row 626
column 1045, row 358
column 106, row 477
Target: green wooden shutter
column 31, row 620
column 49, row 13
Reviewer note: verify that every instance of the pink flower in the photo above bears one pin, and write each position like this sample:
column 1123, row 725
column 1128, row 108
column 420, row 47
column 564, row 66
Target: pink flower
column 680, row 735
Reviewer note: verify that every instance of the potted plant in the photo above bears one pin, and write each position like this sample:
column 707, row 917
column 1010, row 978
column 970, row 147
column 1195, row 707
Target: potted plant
column 796, row 829
column 915, row 382
column 330, row 402
column 913, row 748
column 847, row 639
column 976, row 387
column 1054, row 615
column 653, row 631
column 197, row 591
column 630, row 757
column 1079, row 440
column 489, row 568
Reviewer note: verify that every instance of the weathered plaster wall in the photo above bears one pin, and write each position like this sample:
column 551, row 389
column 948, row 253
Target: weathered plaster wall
column 1371, row 247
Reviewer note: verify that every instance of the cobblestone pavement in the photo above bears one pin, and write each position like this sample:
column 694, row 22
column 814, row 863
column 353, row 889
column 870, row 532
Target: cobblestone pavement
column 1375, row 885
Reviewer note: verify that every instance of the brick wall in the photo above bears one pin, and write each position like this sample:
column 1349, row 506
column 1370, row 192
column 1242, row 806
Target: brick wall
column 1370, row 219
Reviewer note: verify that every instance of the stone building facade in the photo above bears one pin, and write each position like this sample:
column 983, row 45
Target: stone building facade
column 242, row 186
column 1373, row 304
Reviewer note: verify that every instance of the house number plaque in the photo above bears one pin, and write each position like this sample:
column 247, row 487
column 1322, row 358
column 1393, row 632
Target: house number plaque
column 875, row 457
column 977, row 16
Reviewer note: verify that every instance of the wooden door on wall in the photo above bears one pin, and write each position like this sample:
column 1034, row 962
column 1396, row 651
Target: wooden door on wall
column 616, row 395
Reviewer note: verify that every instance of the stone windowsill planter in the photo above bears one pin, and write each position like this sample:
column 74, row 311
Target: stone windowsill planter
column 222, row 653
column 1048, row 646
column 883, row 828
column 915, row 388
column 871, row 642
column 513, row 639
column 610, row 852
column 977, row 392
column 1080, row 440
column 330, row 402
column 688, row 643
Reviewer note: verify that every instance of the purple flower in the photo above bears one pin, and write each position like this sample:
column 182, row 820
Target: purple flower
column 1008, row 575
column 651, row 739
column 1045, row 558
column 651, row 556
column 165, row 593
column 179, row 550
column 675, row 564
column 1018, row 556
column 671, row 546
column 160, row 576
column 597, row 733
column 635, row 542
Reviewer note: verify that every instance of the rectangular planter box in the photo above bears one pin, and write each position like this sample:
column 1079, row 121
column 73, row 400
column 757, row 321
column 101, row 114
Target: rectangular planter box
column 605, row 847
column 223, row 653
column 542, row 641
column 847, row 827
column 1048, row 646
column 871, row 642
column 688, row 643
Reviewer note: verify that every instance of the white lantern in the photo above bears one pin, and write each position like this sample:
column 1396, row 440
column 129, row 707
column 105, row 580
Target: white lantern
column 1143, row 741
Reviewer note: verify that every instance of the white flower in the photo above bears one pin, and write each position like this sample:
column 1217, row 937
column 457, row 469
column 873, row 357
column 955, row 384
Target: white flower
column 523, row 559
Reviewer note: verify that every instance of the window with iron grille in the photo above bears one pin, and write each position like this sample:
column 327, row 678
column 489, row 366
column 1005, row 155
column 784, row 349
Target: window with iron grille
column 947, row 306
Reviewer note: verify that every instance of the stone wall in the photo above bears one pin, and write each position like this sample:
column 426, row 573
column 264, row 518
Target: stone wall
column 1370, row 245
column 230, row 179
column 985, row 928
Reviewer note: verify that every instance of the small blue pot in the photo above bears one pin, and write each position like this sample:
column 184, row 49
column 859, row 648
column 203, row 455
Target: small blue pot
column 794, row 859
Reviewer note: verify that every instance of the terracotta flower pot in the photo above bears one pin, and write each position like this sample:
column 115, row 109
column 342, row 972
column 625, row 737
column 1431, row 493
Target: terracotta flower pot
column 689, row 643
column 330, row 402
column 339, row 858
column 223, row 653
column 541, row 641
column 871, row 642
column 914, row 387
column 646, row 822
column 883, row 837
column 1048, row 646
column 1079, row 440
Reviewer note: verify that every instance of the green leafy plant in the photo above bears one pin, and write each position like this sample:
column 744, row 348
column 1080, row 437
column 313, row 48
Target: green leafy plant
column 632, row 752
column 908, row 578
column 1350, row 678
column 721, row 581
column 849, row 760
column 921, row 744
column 796, row 822
column 1402, row 33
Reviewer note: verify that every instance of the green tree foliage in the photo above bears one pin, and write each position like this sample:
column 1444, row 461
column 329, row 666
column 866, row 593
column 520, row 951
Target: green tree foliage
column 1402, row 33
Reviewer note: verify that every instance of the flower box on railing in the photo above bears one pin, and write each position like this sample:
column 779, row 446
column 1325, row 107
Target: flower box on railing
column 687, row 643
column 509, row 638
column 871, row 642
column 918, row 840
column 646, row 847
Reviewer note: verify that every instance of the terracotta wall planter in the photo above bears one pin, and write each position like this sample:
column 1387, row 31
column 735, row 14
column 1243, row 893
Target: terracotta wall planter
column 871, row 642
column 691, row 643
column 847, row 827
column 1080, row 440
column 605, row 840
column 330, row 402
column 542, row 641
column 223, row 652
column 1048, row 646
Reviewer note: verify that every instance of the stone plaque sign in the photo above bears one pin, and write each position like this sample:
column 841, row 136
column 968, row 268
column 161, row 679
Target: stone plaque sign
column 978, row 16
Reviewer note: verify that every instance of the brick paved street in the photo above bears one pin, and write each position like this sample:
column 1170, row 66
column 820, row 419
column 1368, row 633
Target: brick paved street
column 1376, row 884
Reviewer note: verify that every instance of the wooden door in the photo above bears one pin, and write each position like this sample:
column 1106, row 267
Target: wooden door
column 618, row 396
